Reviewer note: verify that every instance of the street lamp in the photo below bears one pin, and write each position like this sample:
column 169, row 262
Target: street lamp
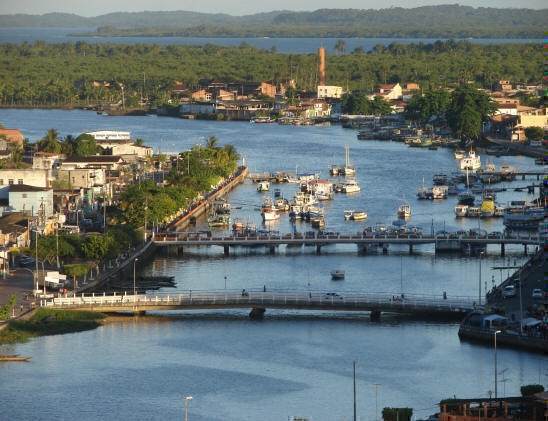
column 495, row 336
column 479, row 283
column 188, row 398
column 134, row 289
column 355, row 361
column 376, row 399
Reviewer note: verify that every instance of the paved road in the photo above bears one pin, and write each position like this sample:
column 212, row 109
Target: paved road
column 20, row 283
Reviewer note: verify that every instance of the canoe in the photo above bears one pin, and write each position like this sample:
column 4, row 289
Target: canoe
column 13, row 358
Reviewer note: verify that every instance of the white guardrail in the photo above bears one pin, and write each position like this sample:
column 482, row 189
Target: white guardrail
column 279, row 299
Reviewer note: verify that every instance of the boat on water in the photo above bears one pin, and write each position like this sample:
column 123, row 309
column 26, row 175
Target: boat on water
column 349, row 169
column 269, row 211
column 263, row 186
column 350, row 186
column 355, row 215
column 474, row 211
column 424, row 193
column 461, row 210
column 404, row 211
column 471, row 162
column 487, row 208
column 528, row 219
column 15, row 358
column 459, row 154
column 337, row 274
column 218, row 220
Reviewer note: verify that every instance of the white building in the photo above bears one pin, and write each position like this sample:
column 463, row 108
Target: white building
column 329, row 92
column 30, row 177
column 110, row 135
column 31, row 200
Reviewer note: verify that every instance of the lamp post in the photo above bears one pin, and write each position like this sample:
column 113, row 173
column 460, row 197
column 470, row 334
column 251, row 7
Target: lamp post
column 134, row 288
column 496, row 380
column 479, row 283
column 355, row 361
column 376, row 399
column 188, row 398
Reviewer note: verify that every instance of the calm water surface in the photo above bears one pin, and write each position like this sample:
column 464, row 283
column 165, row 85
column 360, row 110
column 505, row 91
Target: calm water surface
column 290, row 364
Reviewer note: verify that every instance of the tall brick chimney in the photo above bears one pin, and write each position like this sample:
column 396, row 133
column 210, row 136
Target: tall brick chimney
column 321, row 67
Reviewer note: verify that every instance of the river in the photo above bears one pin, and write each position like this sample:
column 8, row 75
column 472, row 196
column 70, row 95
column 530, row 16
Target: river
column 290, row 363
column 282, row 45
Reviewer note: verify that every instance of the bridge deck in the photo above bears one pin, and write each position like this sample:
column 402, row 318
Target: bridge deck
column 296, row 300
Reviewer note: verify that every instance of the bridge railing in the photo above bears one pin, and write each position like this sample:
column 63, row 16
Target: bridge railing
column 258, row 298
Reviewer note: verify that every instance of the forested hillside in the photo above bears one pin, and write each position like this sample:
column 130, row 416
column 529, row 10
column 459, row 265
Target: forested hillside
column 42, row 74
column 449, row 21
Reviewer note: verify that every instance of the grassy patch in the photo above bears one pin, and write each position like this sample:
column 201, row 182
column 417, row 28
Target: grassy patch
column 50, row 322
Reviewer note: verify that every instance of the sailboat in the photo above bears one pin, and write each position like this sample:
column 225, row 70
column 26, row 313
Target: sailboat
column 348, row 168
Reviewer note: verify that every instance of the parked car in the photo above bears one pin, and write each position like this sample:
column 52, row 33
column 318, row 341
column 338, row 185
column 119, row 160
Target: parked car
column 332, row 295
column 26, row 261
column 509, row 291
column 537, row 293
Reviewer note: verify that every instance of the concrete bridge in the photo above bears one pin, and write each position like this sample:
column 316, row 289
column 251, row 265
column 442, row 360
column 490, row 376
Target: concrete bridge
column 364, row 241
column 258, row 301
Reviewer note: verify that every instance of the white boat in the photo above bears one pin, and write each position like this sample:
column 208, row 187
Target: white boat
column 439, row 192
column 471, row 162
column 263, row 186
column 337, row 274
column 461, row 210
column 355, row 215
column 348, row 169
column 350, row 186
column 459, row 153
column 404, row 211
column 474, row 211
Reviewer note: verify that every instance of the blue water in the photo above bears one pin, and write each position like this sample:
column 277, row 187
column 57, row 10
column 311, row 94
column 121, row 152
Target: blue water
column 282, row 45
column 291, row 363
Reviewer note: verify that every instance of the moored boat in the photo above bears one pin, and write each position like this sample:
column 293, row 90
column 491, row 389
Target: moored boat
column 470, row 162
column 337, row 274
column 404, row 211
column 16, row 358
column 350, row 186
column 263, row 186
column 461, row 210
column 355, row 215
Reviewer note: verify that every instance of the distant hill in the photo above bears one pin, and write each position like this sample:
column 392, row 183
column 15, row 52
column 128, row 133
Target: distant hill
column 421, row 22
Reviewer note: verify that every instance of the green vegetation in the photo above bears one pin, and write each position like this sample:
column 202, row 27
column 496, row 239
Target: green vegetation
column 531, row 389
column 397, row 414
column 49, row 322
column 444, row 21
column 87, row 74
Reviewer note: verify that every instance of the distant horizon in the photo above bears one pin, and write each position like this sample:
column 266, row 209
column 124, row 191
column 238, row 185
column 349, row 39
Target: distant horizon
column 104, row 7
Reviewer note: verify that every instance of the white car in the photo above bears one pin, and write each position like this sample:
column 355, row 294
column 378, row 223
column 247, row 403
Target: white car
column 509, row 291
column 537, row 293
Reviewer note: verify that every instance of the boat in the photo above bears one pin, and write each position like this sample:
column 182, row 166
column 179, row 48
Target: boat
column 348, row 169
column 461, row 210
column 355, row 215
column 404, row 211
column 459, row 154
column 439, row 192
column 440, row 179
column 527, row 219
column 269, row 211
column 474, row 211
column 337, row 274
column 218, row 220
column 424, row 193
column 350, row 186
column 263, row 186
column 487, row 208
column 13, row 358
column 471, row 162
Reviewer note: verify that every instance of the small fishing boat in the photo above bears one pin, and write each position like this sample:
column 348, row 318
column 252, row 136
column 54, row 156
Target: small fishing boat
column 461, row 210
column 337, row 274
column 263, row 186
column 355, row 215
column 404, row 211
column 13, row 358
column 350, row 186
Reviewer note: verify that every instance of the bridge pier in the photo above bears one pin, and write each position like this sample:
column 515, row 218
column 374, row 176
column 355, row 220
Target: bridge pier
column 525, row 250
column 138, row 313
column 375, row 316
column 410, row 248
column 272, row 249
column 257, row 313
column 502, row 251
column 318, row 249
column 226, row 250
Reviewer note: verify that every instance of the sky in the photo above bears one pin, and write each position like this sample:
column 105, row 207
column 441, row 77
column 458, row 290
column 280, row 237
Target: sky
column 102, row 7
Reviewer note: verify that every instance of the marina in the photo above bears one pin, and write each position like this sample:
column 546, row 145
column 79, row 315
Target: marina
column 288, row 359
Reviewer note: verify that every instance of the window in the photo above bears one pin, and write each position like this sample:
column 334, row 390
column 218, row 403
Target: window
column 24, row 196
column 1, row 181
column 10, row 181
column 20, row 181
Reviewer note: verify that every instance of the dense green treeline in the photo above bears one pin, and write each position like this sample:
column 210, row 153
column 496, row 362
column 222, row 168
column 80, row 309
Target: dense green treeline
column 441, row 21
column 42, row 74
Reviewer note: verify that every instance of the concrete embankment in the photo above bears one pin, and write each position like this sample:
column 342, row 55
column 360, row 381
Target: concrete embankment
column 123, row 269
column 203, row 206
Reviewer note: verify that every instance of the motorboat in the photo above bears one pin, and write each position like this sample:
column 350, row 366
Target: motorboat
column 528, row 219
column 263, row 186
column 355, row 215
column 350, row 186
column 337, row 274
column 471, row 162
column 404, row 211
column 218, row 220
column 461, row 210
column 474, row 211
